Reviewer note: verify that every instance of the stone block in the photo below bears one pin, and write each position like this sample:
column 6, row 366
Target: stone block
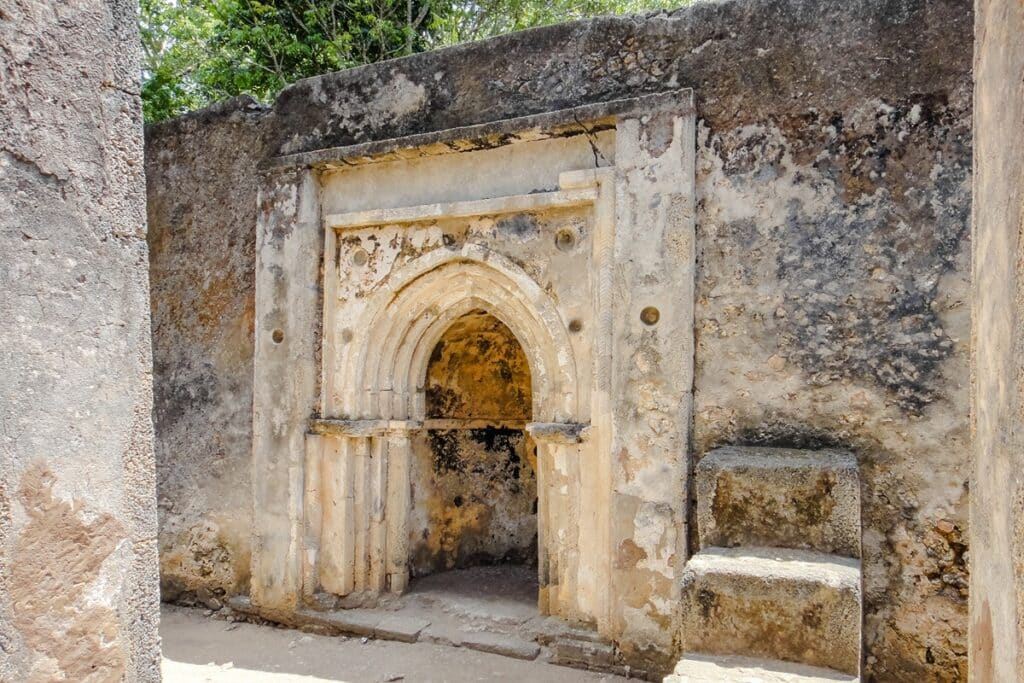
column 779, row 497
column 355, row 622
column 241, row 603
column 500, row 644
column 736, row 669
column 583, row 653
column 794, row 605
column 403, row 629
column 550, row 630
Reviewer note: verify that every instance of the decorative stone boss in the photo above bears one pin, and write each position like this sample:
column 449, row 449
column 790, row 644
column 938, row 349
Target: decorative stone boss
column 575, row 229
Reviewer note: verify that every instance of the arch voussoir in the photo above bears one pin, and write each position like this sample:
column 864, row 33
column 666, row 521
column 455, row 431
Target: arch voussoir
column 404, row 319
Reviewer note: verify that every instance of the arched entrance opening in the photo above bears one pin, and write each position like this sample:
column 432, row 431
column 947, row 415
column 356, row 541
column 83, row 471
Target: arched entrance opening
column 474, row 466
column 459, row 452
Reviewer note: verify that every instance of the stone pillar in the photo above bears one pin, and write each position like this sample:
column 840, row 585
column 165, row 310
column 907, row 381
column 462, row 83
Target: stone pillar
column 357, row 520
column 289, row 248
column 563, row 451
column 399, row 500
column 997, row 482
column 78, row 562
column 652, row 371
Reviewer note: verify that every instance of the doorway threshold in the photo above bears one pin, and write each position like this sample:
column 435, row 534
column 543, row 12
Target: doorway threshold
column 490, row 609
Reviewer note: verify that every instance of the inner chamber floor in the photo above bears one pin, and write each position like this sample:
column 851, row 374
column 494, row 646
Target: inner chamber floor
column 493, row 596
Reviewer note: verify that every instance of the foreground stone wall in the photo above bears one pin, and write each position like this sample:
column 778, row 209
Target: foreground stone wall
column 997, row 484
column 833, row 180
column 78, row 557
column 202, row 212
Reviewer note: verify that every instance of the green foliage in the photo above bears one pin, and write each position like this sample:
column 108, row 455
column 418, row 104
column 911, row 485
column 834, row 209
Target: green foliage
column 261, row 46
column 199, row 51
column 465, row 21
column 173, row 38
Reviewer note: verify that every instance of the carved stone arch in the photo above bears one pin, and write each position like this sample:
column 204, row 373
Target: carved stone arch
column 406, row 318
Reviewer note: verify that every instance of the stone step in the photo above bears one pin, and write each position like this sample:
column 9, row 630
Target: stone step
column 696, row 668
column 500, row 644
column 795, row 605
column 368, row 623
column 780, row 497
column 583, row 654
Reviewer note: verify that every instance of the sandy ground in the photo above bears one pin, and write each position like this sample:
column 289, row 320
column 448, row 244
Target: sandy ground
column 200, row 649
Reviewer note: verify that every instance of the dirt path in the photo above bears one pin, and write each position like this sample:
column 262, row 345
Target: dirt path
column 199, row 649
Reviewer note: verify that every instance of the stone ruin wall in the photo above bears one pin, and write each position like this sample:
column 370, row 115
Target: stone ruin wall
column 78, row 559
column 833, row 181
column 202, row 216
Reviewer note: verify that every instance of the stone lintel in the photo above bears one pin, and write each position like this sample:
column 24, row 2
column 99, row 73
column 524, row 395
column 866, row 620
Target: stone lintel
column 559, row 432
column 471, row 423
column 584, row 119
column 378, row 427
column 464, row 209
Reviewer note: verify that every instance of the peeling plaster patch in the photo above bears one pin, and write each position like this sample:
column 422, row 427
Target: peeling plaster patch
column 655, row 535
column 56, row 568
column 400, row 97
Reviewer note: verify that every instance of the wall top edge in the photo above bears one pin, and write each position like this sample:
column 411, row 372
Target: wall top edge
column 583, row 119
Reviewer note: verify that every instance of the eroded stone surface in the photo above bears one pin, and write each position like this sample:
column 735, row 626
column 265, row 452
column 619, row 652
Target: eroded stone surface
column 500, row 645
column 795, row 605
column 779, row 497
column 202, row 265
column 78, row 582
column 475, row 483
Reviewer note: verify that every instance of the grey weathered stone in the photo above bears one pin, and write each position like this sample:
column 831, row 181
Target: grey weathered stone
column 78, row 557
column 780, row 497
column 587, row 654
column 551, row 629
column 401, row 628
column 355, row 622
column 795, row 605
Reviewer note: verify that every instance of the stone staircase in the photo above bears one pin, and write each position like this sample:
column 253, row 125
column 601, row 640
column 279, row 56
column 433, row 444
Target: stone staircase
column 774, row 594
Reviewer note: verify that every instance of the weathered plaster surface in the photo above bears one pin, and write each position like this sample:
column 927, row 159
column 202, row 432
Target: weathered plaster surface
column 78, row 557
column 786, row 498
column 202, row 273
column 833, row 309
column 833, row 184
column 997, row 484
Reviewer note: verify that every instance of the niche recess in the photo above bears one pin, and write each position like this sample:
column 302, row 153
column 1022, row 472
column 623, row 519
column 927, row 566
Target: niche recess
column 474, row 483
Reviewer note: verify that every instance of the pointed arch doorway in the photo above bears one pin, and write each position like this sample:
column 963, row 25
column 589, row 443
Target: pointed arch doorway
column 474, row 493
column 457, row 446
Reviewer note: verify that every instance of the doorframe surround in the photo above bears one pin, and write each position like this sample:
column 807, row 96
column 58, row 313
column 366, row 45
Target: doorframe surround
column 311, row 444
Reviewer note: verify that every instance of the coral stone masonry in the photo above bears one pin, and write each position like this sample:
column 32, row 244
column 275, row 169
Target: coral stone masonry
column 671, row 312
